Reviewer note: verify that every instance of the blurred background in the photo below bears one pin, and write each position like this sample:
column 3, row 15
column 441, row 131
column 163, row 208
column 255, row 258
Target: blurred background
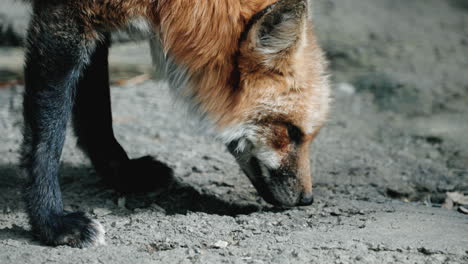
column 400, row 80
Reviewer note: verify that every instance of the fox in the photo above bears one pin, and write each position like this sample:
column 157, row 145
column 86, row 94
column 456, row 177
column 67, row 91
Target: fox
column 252, row 69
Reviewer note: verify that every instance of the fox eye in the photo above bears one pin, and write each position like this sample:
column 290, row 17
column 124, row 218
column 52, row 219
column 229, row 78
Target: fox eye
column 295, row 133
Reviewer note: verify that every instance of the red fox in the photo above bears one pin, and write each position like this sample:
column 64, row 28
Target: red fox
column 251, row 68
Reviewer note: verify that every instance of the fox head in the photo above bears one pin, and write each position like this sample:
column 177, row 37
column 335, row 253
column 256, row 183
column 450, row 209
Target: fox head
column 284, row 103
column 260, row 77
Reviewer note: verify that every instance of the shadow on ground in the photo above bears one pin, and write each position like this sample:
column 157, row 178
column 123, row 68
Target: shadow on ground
column 83, row 191
column 81, row 188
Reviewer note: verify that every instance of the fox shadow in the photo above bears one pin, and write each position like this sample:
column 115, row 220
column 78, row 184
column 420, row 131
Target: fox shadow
column 82, row 190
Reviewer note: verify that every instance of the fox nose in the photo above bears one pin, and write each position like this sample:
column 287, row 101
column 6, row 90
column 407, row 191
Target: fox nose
column 306, row 199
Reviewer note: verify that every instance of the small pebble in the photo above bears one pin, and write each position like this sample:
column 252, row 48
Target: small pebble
column 220, row 244
column 335, row 212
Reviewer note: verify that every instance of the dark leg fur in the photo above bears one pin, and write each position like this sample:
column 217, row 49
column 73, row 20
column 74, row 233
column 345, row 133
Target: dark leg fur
column 62, row 66
column 57, row 52
column 93, row 127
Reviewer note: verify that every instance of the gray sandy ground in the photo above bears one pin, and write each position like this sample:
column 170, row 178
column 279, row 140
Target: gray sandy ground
column 396, row 143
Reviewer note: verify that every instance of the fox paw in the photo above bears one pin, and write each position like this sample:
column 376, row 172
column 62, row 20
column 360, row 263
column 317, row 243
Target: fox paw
column 75, row 230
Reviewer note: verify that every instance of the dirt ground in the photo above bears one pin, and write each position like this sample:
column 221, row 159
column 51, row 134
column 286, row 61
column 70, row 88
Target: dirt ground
column 397, row 141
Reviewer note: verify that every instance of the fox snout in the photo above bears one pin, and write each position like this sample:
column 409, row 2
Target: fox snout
column 287, row 188
column 288, row 185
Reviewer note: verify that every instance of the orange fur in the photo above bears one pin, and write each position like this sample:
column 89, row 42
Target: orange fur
column 203, row 36
column 230, row 79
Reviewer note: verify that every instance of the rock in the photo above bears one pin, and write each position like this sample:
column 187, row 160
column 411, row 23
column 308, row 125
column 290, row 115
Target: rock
column 220, row 244
column 335, row 212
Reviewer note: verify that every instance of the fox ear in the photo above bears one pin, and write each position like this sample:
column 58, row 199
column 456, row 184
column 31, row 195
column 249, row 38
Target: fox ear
column 276, row 31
